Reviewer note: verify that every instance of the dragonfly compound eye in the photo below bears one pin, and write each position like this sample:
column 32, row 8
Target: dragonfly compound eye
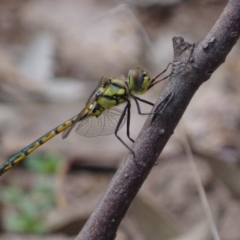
column 138, row 80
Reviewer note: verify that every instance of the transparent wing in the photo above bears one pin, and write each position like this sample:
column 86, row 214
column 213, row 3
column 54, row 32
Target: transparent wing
column 103, row 125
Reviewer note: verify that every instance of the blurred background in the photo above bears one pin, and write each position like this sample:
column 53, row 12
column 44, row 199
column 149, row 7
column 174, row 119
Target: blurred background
column 52, row 55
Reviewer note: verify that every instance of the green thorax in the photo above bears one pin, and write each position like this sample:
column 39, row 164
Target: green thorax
column 109, row 93
column 114, row 94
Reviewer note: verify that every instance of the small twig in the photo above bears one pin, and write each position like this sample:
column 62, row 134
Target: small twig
column 197, row 179
column 191, row 68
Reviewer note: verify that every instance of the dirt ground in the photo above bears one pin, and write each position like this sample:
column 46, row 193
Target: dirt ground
column 53, row 53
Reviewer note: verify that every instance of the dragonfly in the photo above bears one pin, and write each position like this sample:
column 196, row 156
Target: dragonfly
column 100, row 116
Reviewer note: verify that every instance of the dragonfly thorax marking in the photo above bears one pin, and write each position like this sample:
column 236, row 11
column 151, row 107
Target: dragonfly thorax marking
column 116, row 92
column 97, row 110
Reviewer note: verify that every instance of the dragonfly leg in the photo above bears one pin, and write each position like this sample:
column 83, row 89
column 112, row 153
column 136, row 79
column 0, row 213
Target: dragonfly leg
column 152, row 84
column 128, row 122
column 162, row 105
column 118, row 126
column 154, row 79
column 136, row 99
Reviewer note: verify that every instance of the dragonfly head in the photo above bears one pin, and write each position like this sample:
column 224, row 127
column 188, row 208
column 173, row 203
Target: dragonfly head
column 138, row 81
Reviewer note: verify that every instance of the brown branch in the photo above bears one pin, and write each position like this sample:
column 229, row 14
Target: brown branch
column 193, row 64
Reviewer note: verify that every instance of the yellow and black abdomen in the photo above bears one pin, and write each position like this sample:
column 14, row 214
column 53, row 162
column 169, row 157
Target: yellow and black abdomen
column 33, row 146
